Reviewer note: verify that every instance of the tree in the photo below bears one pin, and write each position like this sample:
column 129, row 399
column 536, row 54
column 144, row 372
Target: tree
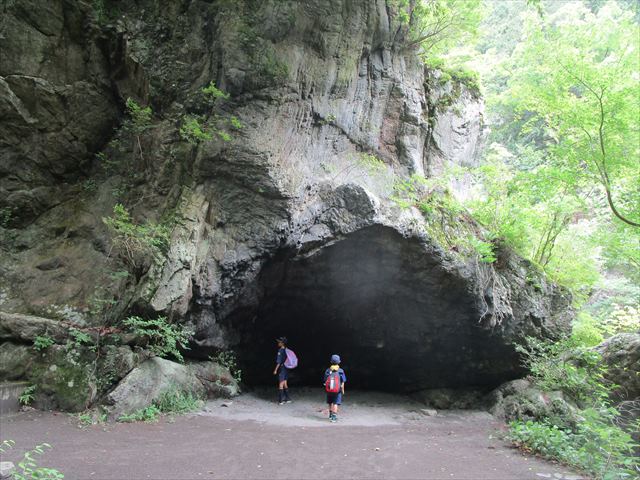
column 577, row 74
column 436, row 25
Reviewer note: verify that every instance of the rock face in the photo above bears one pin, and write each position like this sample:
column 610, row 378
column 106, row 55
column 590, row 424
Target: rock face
column 621, row 354
column 288, row 227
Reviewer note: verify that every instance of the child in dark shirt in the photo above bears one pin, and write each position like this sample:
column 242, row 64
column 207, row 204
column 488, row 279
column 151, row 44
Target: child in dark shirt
column 282, row 371
column 332, row 375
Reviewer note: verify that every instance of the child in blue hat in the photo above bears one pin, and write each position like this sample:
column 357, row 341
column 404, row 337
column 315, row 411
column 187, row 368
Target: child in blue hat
column 334, row 380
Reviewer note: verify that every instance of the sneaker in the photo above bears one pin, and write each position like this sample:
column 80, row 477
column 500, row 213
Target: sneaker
column 333, row 419
column 280, row 403
column 287, row 401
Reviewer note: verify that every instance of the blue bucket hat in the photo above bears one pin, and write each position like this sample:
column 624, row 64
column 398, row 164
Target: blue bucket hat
column 335, row 359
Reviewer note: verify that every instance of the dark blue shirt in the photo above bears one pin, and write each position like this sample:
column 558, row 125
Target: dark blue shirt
column 281, row 356
column 343, row 377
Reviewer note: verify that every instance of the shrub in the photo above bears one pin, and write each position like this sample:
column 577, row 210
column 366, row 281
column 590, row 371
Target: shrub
column 163, row 338
column 595, row 443
column 137, row 242
column 562, row 365
column 597, row 446
column 42, row 342
column 585, row 331
column 139, row 117
column 177, row 401
column 228, row 360
column 193, row 131
column 213, row 93
column 27, row 395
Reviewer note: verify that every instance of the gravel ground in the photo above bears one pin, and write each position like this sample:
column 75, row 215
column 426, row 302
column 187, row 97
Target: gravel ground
column 377, row 437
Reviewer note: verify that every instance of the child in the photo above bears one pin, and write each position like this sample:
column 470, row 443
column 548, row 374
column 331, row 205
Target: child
column 334, row 380
column 282, row 371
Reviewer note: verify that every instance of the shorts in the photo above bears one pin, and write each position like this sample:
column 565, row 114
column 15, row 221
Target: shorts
column 335, row 398
column 283, row 373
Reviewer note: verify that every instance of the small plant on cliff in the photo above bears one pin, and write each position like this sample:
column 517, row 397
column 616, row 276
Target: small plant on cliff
column 137, row 242
column 163, row 338
column 137, row 124
column 42, row 342
column 199, row 128
column 193, row 131
column 213, row 93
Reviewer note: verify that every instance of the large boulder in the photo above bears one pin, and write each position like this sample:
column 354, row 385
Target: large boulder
column 152, row 379
column 521, row 400
column 621, row 355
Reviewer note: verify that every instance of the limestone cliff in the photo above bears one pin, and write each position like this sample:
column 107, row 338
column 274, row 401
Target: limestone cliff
column 287, row 220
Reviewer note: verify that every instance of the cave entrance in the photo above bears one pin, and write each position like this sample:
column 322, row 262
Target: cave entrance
column 397, row 318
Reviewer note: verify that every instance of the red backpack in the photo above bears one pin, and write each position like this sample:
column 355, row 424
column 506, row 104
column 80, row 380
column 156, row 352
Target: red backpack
column 332, row 384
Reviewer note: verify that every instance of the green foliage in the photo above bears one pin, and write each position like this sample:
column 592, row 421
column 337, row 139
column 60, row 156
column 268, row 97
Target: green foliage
column 586, row 331
column 622, row 319
column 177, row 401
column 562, row 365
column 147, row 414
column 371, row 163
column 213, row 93
column 27, row 395
column 80, row 338
column 458, row 74
column 597, row 446
column 271, row 68
column 173, row 401
column 533, row 210
column 485, row 251
column 27, row 468
column 446, row 220
column 193, row 131
column 436, row 25
column 163, row 338
column 91, row 417
column 42, row 342
column 139, row 117
column 235, row 123
column 137, row 242
column 198, row 128
column 595, row 443
column 228, row 360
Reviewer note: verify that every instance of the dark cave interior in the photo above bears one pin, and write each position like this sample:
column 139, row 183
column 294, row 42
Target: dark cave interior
column 399, row 321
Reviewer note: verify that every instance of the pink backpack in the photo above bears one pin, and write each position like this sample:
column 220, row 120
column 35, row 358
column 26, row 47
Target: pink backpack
column 292, row 359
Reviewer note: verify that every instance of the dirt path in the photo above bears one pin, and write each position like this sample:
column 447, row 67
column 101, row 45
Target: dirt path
column 377, row 437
